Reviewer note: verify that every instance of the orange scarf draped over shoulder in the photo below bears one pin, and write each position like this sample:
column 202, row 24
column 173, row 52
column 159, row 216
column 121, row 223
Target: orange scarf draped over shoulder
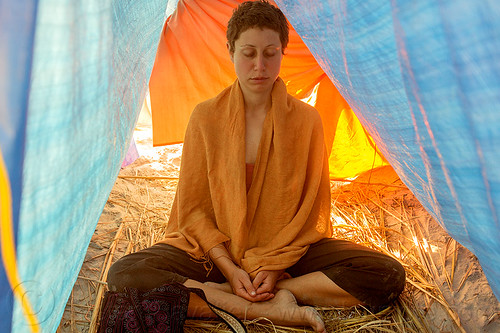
column 288, row 205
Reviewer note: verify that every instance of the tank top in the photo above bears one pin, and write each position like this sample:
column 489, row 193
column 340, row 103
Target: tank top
column 249, row 173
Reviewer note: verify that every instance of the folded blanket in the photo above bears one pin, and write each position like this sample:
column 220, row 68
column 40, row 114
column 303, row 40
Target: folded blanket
column 288, row 205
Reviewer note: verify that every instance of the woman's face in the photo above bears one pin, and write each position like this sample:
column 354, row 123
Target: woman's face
column 257, row 60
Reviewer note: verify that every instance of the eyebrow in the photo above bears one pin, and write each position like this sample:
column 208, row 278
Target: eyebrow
column 251, row 45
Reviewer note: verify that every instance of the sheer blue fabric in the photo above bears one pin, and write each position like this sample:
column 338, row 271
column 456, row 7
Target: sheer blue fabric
column 91, row 65
column 423, row 77
column 16, row 50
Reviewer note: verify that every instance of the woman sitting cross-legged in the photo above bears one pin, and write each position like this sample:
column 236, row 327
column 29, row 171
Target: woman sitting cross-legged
column 250, row 223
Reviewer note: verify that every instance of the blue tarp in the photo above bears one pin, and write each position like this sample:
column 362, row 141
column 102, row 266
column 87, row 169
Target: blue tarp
column 91, row 65
column 423, row 77
column 16, row 51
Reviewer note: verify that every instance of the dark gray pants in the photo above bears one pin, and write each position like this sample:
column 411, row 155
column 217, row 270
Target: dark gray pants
column 370, row 276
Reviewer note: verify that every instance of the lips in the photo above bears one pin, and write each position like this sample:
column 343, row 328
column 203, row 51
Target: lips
column 259, row 79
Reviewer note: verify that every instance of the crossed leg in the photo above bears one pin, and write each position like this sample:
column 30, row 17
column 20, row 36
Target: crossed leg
column 314, row 289
column 281, row 310
column 374, row 278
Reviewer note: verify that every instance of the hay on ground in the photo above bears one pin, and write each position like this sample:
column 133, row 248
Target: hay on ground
column 383, row 216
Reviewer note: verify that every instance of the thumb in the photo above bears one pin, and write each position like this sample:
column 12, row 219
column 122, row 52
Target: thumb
column 248, row 286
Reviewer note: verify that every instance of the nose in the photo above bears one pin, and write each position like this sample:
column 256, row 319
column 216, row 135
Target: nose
column 259, row 63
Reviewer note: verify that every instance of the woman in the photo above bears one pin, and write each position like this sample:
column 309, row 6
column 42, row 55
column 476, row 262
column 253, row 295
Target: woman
column 250, row 224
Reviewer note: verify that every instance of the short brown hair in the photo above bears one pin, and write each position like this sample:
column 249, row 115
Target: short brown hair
column 257, row 14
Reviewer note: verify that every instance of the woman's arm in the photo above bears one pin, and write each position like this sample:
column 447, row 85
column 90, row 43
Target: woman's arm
column 220, row 256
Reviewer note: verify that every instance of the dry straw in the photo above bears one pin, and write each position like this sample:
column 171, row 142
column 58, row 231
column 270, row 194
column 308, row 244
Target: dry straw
column 358, row 213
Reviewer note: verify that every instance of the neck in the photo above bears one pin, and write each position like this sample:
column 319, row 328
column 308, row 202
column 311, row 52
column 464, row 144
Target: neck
column 257, row 102
column 254, row 106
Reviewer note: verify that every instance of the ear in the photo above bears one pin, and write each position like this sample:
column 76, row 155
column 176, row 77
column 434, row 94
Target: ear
column 231, row 54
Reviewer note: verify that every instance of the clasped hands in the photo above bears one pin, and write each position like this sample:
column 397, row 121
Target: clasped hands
column 262, row 288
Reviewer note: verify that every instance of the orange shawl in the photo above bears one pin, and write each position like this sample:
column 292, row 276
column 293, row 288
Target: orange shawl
column 288, row 205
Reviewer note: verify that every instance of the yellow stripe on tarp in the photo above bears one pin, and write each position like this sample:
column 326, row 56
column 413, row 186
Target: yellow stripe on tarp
column 9, row 249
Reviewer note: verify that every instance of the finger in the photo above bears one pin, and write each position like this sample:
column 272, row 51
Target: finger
column 264, row 288
column 242, row 291
column 259, row 278
column 244, row 294
column 248, row 287
column 253, row 299
column 263, row 297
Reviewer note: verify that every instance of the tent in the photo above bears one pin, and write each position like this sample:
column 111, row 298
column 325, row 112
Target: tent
column 422, row 79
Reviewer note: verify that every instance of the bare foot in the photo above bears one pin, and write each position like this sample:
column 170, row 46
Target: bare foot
column 284, row 310
column 281, row 310
column 226, row 286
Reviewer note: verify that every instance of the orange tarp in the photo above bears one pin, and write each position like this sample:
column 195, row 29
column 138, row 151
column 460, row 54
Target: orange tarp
column 192, row 64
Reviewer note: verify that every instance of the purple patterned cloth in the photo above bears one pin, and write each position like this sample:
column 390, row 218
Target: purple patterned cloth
column 158, row 310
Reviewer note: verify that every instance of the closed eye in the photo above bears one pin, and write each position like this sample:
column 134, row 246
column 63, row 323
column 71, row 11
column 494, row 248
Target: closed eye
column 270, row 54
column 249, row 54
